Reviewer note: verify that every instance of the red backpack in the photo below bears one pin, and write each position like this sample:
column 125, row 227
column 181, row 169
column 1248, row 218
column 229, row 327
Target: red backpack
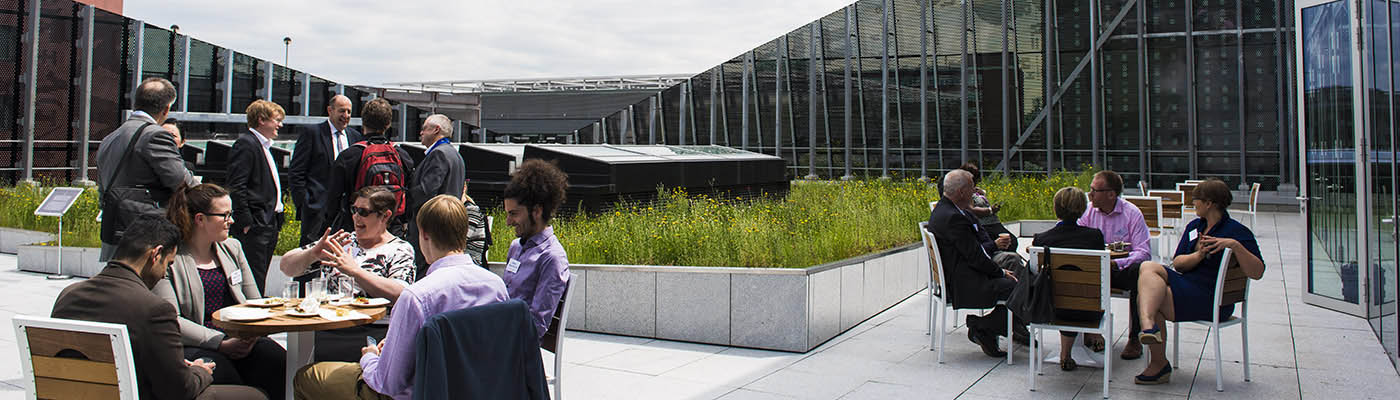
column 380, row 166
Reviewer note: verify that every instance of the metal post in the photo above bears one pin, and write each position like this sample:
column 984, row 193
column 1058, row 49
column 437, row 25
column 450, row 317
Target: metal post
column 597, row 133
column 306, row 99
column 685, row 105
column 812, row 43
column 31, row 84
column 962, row 85
column 1052, row 79
column 228, row 81
column 139, row 29
column 1094, row 96
column 184, row 87
column 778, row 79
column 1005, row 92
column 626, row 128
column 268, row 68
column 937, row 94
column 923, row 90
column 458, row 127
column 847, row 95
column 744, row 102
column 651, row 119
column 714, row 98
column 1143, row 173
column 884, row 89
column 85, row 102
column 1191, row 88
column 402, row 110
column 1239, row 80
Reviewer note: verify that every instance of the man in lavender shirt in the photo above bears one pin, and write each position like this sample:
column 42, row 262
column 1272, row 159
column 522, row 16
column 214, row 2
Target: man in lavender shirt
column 1120, row 221
column 536, row 266
column 453, row 282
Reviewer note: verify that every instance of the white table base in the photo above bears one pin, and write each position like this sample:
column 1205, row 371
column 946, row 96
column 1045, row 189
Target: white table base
column 301, row 346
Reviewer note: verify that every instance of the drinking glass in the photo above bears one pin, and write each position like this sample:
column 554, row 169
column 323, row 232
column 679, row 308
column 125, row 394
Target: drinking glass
column 316, row 289
column 290, row 289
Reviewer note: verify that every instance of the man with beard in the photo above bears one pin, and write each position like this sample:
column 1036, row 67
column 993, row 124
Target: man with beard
column 537, row 268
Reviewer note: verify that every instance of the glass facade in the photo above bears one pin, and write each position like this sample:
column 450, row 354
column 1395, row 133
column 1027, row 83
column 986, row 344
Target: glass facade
column 1166, row 90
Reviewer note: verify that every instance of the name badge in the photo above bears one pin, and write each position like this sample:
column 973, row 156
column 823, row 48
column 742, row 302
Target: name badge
column 1192, row 235
column 236, row 277
column 512, row 266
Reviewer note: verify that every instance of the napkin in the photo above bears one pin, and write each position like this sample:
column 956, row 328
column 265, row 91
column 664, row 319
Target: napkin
column 329, row 314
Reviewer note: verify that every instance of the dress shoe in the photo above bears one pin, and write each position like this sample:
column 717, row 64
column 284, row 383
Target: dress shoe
column 987, row 340
column 1132, row 351
column 1161, row 377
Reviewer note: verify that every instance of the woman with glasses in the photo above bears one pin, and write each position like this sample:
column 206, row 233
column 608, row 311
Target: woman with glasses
column 210, row 272
column 379, row 263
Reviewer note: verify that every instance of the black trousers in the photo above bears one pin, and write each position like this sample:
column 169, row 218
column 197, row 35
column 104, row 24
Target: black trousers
column 1127, row 279
column 265, row 367
column 258, row 244
column 344, row 344
column 995, row 321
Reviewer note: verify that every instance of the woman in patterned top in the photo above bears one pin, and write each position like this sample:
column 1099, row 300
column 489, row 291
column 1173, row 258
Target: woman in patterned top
column 209, row 273
column 380, row 263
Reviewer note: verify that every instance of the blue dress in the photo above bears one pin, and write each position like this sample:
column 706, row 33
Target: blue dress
column 1194, row 291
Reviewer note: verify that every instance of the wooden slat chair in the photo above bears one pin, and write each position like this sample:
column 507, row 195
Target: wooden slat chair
column 1194, row 181
column 1151, row 208
column 70, row 359
column 1172, row 218
column 1231, row 287
column 1084, row 290
column 1253, row 205
column 553, row 340
column 1142, row 186
column 938, row 291
column 1186, row 188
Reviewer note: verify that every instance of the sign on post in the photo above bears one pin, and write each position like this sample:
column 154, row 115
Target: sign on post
column 58, row 202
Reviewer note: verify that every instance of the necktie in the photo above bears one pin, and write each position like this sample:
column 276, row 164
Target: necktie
column 339, row 141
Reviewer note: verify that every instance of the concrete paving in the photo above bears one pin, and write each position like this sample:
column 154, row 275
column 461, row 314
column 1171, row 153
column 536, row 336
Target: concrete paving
column 1296, row 351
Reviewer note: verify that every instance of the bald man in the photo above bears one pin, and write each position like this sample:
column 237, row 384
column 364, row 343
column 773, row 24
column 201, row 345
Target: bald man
column 317, row 146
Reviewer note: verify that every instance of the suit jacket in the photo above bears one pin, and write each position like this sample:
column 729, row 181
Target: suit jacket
column 250, row 184
column 441, row 172
column 342, row 186
column 156, row 164
column 312, row 160
column 482, row 352
column 117, row 295
column 968, row 266
column 183, row 289
column 1070, row 236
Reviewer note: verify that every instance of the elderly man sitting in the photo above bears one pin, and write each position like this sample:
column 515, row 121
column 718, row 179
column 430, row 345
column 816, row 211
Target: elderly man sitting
column 979, row 271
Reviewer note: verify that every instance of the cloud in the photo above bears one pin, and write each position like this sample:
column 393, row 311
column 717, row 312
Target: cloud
column 372, row 42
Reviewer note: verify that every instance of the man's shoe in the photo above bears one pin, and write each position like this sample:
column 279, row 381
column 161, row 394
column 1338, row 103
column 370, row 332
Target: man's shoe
column 1132, row 351
column 1023, row 339
column 988, row 343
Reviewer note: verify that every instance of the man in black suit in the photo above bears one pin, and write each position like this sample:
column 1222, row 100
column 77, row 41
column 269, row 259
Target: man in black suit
column 256, row 188
column 442, row 171
column 315, row 153
column 121, row 294
column 375, row 119
column 974, row 280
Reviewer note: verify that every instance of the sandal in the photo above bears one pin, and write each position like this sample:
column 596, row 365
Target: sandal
column 1152, row 336
column 1096, row 344
column 1068, row 364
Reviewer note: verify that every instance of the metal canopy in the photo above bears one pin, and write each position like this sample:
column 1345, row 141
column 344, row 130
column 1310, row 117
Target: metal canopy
column 564, row 84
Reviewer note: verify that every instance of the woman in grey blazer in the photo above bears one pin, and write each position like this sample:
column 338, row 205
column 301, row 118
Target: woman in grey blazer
column 210, row 272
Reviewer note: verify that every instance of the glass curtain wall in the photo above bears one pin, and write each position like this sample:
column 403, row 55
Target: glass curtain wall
column 1166, row 91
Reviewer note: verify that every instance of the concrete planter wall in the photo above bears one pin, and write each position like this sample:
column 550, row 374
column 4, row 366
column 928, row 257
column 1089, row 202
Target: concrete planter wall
column 788, row 309
column 11, row 239
column 77, row 261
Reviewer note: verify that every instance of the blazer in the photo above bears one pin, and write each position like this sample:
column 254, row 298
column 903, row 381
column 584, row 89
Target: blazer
column 250, row 184
column 155, row 165
column 441, row 172
column 117, row 295
column 968, row 266
column 312, row 158
column 1070, row 235
column 483, row 352
column 183, row 289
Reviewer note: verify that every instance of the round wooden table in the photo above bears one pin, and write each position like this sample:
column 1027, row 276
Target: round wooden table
column 301, row 338
column 1118, row 254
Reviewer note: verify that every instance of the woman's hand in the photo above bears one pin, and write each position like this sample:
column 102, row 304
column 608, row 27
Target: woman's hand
column 335, row 255
column 236, row 348
column 1212, row 244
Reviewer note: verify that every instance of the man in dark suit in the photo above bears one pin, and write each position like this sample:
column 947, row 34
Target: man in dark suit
column 121, row 294
column 375, row 119
column 974, row 280
column 153, row 162
column 256, row 188
column 442, row 171
column 312, row 159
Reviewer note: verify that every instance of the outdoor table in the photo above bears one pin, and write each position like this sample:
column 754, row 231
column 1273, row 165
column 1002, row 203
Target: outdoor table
column 301, row 337
column 1118, row 254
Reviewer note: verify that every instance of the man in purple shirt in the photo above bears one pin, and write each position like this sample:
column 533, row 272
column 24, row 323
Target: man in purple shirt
column 537, row 268
column 1120, row 221
column 453, row 282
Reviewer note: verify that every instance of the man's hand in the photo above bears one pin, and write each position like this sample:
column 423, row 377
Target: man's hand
column 236, row 348
column 207, row 366
column 246, row 228
column 376, row 349
column 1010, row 274
column 1004, row 242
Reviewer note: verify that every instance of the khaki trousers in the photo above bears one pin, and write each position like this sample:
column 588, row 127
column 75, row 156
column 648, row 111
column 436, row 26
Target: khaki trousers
column 332, row 380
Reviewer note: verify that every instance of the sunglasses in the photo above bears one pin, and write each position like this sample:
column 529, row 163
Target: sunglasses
column 363, row 212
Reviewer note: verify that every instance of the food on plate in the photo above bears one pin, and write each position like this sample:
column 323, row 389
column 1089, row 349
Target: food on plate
column 361, row 300
column 340, row 312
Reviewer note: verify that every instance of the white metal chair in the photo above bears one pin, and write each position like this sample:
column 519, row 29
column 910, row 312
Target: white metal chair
column 1142, row 186
column 1231, row 287
column 1085, row 290
column 937, row 316
column 1186, row 188
column 1173, row 217
column 553, row 340
column 1253, row 209
column 64, row 358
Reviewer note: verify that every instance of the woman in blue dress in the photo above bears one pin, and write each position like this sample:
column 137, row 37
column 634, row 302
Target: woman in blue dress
column 1186, row 290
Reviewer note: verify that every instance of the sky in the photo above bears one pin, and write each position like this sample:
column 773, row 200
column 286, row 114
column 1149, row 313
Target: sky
column 375, row 42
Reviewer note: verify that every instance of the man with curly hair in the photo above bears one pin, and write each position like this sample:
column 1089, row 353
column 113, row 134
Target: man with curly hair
column 537, row 267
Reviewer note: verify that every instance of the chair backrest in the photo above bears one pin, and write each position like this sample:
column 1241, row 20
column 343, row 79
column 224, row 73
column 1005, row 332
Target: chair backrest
column 935, row 260
column 1151, row 209
column 64, row 358
column 1186, row 189
column 1231, row 283
column 1142, row 186
column 1194, row 181
column 1086, row 289
column 1254, row 197
column 554, row 335
column 1169, row 195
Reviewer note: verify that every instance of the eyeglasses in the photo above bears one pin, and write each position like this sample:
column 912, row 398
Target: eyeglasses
column 1100, row 190
column 225, row 215
column 363, row 212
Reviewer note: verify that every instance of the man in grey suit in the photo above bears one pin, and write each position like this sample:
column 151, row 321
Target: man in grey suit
column 441, row 172
column 139, row 157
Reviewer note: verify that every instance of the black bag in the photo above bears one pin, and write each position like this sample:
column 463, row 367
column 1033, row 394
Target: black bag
column 1033, row 299
column 122, row 205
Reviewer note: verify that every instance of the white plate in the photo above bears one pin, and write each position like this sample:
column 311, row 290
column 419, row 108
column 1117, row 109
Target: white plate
column 292, row 311
column 374, row 302
column 243, row 314
column 266, row 302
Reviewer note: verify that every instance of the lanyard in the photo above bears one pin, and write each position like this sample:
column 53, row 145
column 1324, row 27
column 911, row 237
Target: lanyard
column 435, row 145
